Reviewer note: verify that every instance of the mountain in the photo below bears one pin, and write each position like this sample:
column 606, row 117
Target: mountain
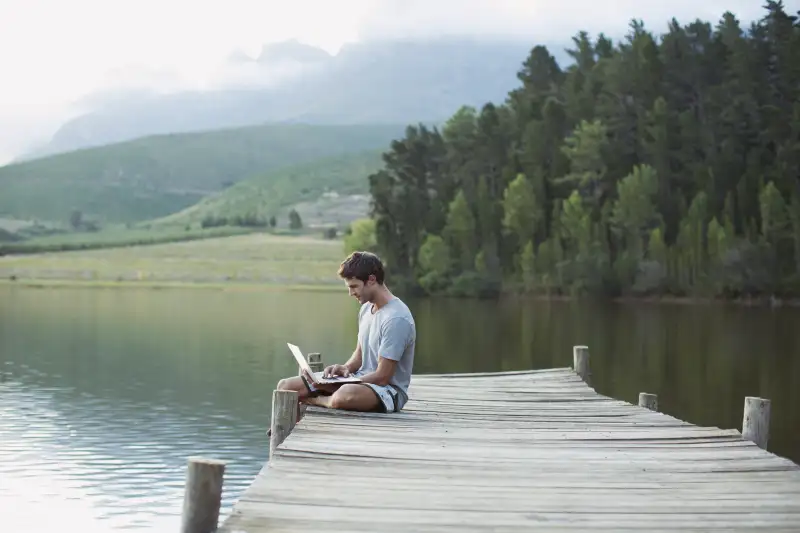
column 332, row 190
column 372, row 82
column 293, row 51
column 158, row 175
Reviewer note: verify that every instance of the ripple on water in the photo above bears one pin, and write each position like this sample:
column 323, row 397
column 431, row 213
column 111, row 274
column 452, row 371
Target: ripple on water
column 100, row 466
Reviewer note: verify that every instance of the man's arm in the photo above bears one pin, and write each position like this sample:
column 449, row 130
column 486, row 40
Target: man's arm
column 383, row 374
column 350, row 367
column 354, row 363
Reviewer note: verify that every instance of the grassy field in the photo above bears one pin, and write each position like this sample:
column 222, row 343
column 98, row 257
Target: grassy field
column 159, row 175
column 244, row 259
column 271, row 193
column 112, row 238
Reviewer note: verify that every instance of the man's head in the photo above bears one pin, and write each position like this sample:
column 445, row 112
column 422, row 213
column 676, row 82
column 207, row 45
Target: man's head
column 363, row 274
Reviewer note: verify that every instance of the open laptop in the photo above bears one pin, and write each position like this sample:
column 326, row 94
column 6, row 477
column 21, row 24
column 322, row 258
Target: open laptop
column 317, row 376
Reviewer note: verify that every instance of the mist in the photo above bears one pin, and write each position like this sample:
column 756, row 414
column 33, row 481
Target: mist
column 528, row 21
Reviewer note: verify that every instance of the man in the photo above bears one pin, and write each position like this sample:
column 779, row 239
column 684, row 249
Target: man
column 384, row 354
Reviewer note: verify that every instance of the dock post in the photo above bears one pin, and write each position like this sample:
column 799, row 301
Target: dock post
column 755, row 422
column 648, row 401
column 284, row 417
column 315, row 362
column 202, row 496
column 580, row 361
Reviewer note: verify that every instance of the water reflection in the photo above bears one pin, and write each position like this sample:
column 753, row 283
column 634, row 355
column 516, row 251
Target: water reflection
column 105, row 393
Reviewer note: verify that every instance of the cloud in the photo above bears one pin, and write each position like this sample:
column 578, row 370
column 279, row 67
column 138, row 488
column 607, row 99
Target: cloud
column 59, row 57
column 536, row 20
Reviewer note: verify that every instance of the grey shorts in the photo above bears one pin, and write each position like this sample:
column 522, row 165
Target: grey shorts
column 392, row 400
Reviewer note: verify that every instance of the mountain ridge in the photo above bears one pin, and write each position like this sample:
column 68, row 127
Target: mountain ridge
column 157, row 175
column 393, row 81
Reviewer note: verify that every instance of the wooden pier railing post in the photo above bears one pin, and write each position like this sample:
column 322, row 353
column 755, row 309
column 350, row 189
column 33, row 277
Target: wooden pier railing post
column 755, row 422
column 202, row 496
column 284, row 417
column 648, row 401
column 580, row 361
column 315, row 362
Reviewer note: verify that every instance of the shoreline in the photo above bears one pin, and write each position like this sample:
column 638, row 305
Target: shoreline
column 65, row 283
column 763, row 301
column 241, row 286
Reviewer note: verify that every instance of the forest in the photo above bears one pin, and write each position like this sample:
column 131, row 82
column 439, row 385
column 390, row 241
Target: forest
column 659, row 165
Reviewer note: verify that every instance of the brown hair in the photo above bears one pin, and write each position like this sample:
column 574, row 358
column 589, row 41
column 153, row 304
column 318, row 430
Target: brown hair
column 362, row 265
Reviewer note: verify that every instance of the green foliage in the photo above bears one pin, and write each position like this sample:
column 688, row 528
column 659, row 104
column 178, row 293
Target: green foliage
column 433, row 264
column 360, row 236
column 295, row 222
column 634, row 212
column 264, row 194
column 460, row 230
column 522, row 214
column 527, row 266
column 664, row 165
column 774, row 215
column 155, row 176
column 575, row 224
column 584, row 148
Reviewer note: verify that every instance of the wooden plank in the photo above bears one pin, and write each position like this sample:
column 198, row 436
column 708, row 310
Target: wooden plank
column 533, row 449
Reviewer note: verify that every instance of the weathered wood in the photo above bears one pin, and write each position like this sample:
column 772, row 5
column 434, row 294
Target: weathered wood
column 533, row 450
column 648, row 401
column 202, row 495
column 755, row 422
column 580, row 358
column 284, row 416
column 315, row 362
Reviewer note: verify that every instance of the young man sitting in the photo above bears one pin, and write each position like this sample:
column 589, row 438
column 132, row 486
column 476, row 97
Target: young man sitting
column 384, row 355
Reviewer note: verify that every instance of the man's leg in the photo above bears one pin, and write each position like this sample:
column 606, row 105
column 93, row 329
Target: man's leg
column 350, row 397
column 296, row 384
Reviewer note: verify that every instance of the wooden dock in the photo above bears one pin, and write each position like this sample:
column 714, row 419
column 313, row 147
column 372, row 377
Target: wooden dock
column 538, row 450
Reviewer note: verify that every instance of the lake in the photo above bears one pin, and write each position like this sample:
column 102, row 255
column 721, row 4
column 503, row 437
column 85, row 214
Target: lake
column 106, row 392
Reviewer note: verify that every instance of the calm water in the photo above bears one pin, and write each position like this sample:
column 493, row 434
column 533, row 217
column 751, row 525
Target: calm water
column 105, row 393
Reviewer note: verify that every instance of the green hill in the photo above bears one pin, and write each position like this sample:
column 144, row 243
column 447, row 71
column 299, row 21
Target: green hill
column 155, row 176
column 271, row 193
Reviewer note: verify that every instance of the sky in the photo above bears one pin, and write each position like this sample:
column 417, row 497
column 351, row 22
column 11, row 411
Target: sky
column 54, row 53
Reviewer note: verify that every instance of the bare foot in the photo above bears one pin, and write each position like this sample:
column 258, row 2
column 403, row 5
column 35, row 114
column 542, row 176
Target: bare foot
column 319, row 401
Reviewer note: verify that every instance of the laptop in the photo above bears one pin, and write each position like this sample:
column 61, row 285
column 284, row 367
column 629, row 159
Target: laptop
column 317, row 376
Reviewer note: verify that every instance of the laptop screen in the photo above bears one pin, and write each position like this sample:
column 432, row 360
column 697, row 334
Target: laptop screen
column 298, row 355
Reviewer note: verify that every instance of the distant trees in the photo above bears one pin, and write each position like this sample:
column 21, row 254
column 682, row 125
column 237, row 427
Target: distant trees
column 295, row 222
column 76, row 219
column 248, row 220
column 79, row 223
column 663, row 165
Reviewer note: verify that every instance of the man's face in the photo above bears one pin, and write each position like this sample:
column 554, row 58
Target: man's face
column 359, row 290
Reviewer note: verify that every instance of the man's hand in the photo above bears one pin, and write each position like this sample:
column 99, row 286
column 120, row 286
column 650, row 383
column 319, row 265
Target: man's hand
column 336, row 370
column 329, row 388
